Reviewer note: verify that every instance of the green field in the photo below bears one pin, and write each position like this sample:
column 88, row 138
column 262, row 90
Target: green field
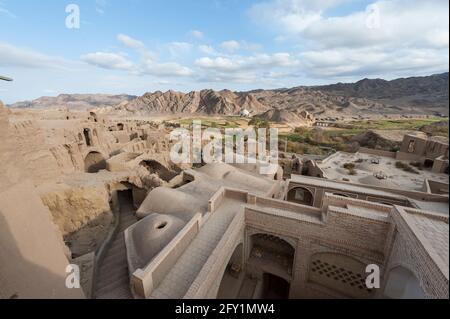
column 406, row 124
column 226, row 122
column 305, row 139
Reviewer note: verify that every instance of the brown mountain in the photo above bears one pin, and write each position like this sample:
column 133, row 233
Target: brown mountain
column 426, row 95
column 222, row 102
column 74, row 101
column 416, row 95
column 424, row 91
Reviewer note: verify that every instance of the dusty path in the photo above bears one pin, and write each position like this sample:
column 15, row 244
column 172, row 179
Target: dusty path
column 112, row 280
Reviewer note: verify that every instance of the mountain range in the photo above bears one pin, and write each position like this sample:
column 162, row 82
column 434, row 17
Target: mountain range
column 426, row 95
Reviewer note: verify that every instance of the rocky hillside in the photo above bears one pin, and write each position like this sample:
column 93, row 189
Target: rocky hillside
column 422, row 92
column 222, row 102
column 417, row 95
column 407, row 96
column 74, row 101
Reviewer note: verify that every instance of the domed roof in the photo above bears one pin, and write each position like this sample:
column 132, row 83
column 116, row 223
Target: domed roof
column 163, row 200
column 149, row 236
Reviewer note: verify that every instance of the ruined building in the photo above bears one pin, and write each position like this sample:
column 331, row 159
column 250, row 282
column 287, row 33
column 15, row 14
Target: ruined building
column 102, row 194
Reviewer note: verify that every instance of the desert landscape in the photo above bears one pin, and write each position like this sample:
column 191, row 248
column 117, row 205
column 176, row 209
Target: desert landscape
column 314, row 120
column 253, row 151
column 100, row 171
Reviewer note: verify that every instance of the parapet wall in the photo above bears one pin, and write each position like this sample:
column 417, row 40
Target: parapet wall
column 377, row 152
column 143, row 281
column 207, row 282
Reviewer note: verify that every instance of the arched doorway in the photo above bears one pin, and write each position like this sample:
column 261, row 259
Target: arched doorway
column 274, row 287
column 94, row 162
column 403, row 284
column 270, row 254
column 428, row 163
column 120, row 126
column 87, row 136
column 93, row 116
column 300, row 195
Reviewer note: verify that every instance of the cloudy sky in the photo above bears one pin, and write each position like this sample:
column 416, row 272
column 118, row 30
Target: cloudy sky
column 137, row 46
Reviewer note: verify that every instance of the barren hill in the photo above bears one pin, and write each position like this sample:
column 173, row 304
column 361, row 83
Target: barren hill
column 222, row 102
column 74, row 101
column 426, row 95
column 425, row 91
column 418, row 95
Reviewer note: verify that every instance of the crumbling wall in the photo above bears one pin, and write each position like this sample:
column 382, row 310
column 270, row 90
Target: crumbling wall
column 23, row 153
column 74, row 207
column 82, row 214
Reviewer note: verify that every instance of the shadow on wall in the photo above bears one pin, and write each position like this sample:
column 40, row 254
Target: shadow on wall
column 403, row 284
column 94, row 162
column 274, row 287
column 21, row 278
column 300, row 195
column 154, row 167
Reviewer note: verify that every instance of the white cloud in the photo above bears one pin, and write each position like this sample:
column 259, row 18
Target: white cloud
column 177, row 49
column 130, row 42
column 230, row 46
column 363, row 42
column 165, row 69
column 12, row 56
column 107, row 60
column 207, row 49
column 249, row 46
column 399, row 23
column 196, row 34
column 365, row 62
column 241, row 63
column 147, row 65
column 290, row 16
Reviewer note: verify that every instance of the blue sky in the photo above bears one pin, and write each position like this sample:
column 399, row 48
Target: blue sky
column 137, row 46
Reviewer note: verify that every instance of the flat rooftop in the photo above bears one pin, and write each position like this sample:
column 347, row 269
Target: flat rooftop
column 365, row 170
column 321, row 182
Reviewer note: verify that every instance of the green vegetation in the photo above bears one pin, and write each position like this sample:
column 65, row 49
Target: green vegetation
column 403, row 124
column 259, row 123
column 321, row 141
column 221, row 123
column 318, row 141
column 349, row 166
column 437, row 128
